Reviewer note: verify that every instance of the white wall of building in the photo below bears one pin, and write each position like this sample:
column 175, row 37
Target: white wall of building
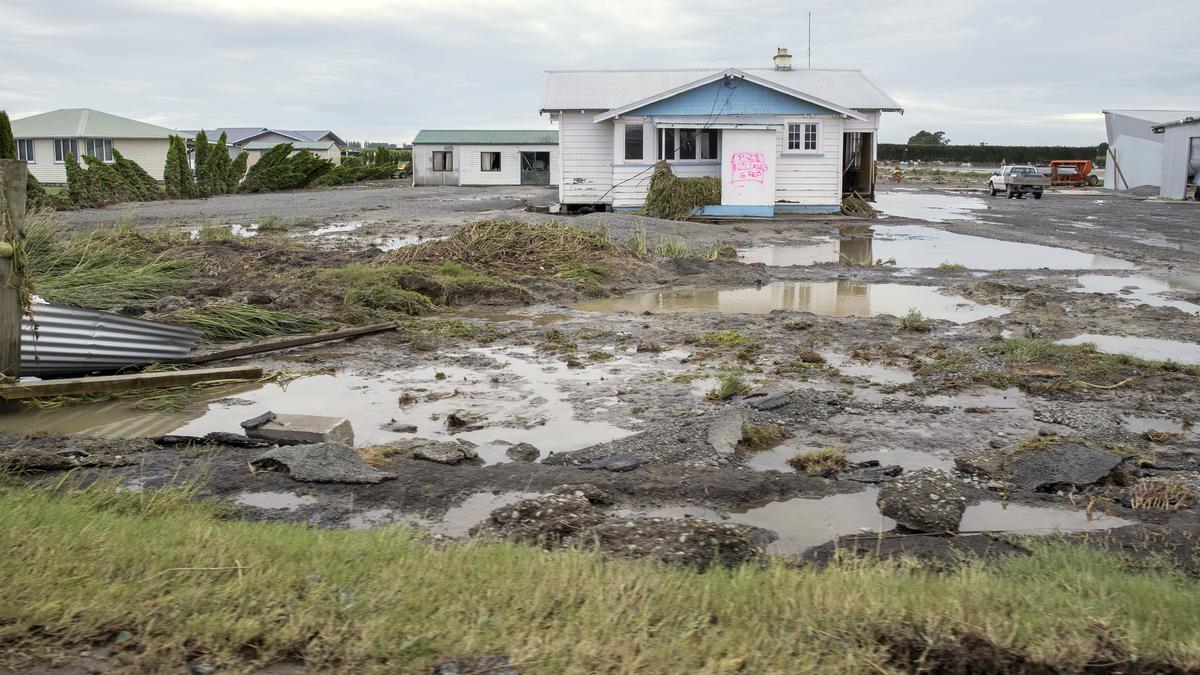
column 149, row 153
column 1134, row 153
column 812, row 178
column 423, row 173
column 1178, row 159
column 471, row 169
column 587, row 158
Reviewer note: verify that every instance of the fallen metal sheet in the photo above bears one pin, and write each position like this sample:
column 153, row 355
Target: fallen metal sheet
column 69, row 340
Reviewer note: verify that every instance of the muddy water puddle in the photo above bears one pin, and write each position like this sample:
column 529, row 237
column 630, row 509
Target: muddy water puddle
column 508, row 393
column 776, row 459
column 1143, row 290
column 1150, row 349
column 923, row 247
column 1139, row 424
column 936, row 208
column 825, row 298
column 283, row 501
column 875, row 372
column 804, row 523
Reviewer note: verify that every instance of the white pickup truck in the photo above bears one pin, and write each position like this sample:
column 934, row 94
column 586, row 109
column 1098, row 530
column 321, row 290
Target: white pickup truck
column 1017, row 181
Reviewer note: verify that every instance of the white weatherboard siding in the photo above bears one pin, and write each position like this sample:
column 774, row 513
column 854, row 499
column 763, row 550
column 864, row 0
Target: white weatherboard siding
column 423, row 173
column 471, row 171
column 149, row 153
column 1177, row 158
column 587, row 159
column 807, row 178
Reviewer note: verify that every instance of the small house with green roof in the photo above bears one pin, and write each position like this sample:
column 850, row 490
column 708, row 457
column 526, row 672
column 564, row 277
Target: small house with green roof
column 485, row 157
column 44, row 140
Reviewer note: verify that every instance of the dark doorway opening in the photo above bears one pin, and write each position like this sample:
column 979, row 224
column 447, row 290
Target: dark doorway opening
column 858, row 164
column 535, row 168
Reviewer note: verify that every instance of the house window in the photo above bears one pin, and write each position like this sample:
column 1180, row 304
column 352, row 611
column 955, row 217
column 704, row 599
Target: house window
column 25, row 150
column 693, row 144
column 64, row 147
column 633, row 141
column 100, row 148
column 443, row 160
column 802, row 135
column 708, row 144
column 489, row 161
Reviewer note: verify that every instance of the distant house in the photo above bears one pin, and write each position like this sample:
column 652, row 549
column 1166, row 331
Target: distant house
column 256, row 140
column 485, row 157
column 781, row 140
column 44, row 140
column 1151, row 147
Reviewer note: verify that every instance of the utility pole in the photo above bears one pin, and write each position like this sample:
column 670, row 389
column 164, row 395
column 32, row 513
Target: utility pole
column 810, row 40
column 12, row 276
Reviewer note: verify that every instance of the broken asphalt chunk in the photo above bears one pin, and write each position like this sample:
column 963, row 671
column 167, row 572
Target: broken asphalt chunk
column 320, row 463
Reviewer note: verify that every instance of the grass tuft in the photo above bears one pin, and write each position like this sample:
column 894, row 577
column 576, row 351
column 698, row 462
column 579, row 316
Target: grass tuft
column 225, row 320
column 916, row 322
column 727, row 387
column 759, row 437
column 815, row 462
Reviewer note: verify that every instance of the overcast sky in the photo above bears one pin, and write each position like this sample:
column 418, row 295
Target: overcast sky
column 383, row 69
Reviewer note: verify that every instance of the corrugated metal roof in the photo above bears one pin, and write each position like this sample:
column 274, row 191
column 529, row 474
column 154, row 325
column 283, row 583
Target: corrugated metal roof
column 719, row 122
column 485, row 137
column 72, row 340
column 1158, row 129
column 296, row 145
column 606, row 89
column 1155, row 116
column 85, row 123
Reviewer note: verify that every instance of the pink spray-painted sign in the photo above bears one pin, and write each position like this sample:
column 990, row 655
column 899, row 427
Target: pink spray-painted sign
column 748, row 167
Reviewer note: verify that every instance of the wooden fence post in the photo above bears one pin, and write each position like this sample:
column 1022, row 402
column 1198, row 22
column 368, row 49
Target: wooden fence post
column 12, row 229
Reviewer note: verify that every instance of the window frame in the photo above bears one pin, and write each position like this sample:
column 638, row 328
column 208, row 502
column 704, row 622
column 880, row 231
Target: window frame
column 676, row 136
column 447, row 160
column 797, row 132
column 25, row 147
column 60, row 149
column 484, row 168
column 641, row 142
column 105, row 145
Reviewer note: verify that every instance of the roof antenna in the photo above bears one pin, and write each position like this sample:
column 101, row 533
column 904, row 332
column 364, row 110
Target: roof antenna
column 810, row 40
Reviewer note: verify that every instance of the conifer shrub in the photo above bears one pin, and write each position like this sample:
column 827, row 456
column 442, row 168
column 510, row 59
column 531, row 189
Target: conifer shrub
column 200, row 152
column 237, row 171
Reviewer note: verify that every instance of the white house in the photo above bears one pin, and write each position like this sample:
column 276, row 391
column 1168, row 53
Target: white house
column 44, row 140
column 781, row 140
column 485, row 157
column 256, row 140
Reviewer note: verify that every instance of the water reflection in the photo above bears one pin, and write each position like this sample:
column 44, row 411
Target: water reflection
column 834, row 298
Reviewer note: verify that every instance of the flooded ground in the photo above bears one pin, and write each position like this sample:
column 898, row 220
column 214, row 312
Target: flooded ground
column 934, row 208
column 920, row 246
column 1151, row 349
column 1144, row 289
column 826, row 299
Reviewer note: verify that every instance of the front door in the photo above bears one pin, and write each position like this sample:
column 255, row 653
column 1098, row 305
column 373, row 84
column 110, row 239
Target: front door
column 748, row 170
column 535, row 168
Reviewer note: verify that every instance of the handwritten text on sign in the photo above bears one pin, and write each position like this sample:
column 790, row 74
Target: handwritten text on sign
column 748, row 167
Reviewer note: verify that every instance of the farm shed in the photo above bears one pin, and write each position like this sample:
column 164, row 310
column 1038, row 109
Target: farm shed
column 1136, row 153
column 781, row 140
column 1181, row 157
column 483, row 157
column 44, row 140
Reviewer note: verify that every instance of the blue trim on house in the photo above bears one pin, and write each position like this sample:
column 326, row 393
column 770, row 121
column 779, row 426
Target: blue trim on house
column 808, row 208
column 746, row 98
column 735, row 210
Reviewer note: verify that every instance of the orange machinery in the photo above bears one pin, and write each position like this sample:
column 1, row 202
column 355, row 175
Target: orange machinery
column 1072, row 172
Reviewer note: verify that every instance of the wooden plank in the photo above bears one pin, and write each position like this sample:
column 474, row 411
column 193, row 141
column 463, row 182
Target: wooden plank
column 114, row 383
column 12, row 201
column 286, row 343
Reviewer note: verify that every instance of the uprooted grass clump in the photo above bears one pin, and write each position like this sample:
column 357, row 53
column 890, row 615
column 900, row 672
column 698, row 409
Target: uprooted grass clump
column 915, row 321
column 675, row 198
column 225, row 320
column 1082, row 365
column 823, row 461
column 163, row 580
column 511, row 248
column 1161, row 494
column 102, row 268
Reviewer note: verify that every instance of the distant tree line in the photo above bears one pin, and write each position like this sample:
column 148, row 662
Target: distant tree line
column 986, row 154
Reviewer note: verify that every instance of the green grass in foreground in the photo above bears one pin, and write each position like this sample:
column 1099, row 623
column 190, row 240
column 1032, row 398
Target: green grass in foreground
column 81, row 569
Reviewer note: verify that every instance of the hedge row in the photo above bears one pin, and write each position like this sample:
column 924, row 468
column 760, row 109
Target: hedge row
column 985, row 154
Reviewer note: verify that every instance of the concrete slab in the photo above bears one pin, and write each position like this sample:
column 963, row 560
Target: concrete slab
column 293, row 429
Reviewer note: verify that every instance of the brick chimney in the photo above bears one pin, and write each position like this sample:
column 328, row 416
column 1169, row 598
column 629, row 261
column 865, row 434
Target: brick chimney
column 782, row 59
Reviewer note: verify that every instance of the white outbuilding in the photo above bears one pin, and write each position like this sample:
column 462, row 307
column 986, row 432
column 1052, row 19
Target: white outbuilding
column 1157, row 148
column 485, row 157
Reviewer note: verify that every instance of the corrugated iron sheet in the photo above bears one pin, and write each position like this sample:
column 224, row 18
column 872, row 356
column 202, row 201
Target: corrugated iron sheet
column 70, row 340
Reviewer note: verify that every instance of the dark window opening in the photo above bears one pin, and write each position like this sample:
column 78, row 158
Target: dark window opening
column 633, row 141
column 687, row 144
column 667, row 144
column 443, row 160
column 708, row 144
column 489, row 161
